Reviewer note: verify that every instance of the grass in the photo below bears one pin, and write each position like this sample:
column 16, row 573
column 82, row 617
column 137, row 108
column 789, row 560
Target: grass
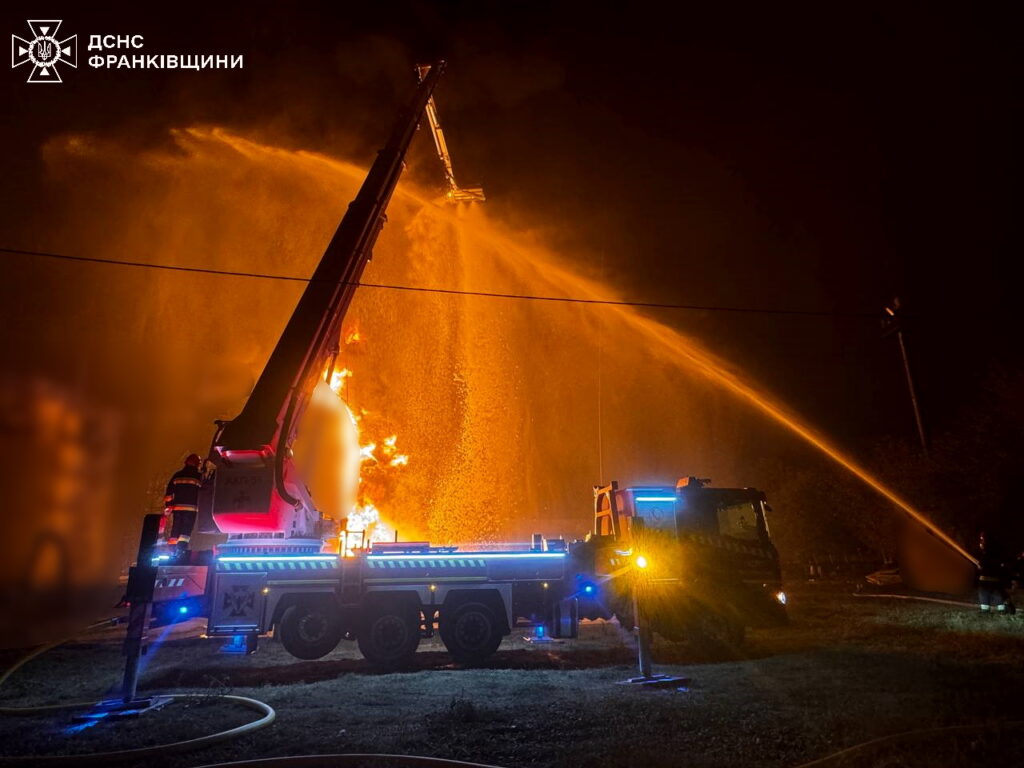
column 845, row 671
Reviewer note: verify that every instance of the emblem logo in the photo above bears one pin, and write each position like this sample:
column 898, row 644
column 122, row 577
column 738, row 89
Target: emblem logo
column 240, row 600
column 45, row 51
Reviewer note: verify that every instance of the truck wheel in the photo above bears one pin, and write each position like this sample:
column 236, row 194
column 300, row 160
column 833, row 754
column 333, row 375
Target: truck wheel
column 310, row 629
column 471, row 633
column 389, row 634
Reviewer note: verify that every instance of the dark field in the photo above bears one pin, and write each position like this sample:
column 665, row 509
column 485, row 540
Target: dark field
column 846, row 671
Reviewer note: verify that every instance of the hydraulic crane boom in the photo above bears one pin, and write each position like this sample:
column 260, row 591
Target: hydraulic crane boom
column 455, row 193
column 256, row 490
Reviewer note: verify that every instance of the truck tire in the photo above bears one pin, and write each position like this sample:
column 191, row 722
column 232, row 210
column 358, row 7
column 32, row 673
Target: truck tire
column 471, row 633
column 310, row 629
column 389, row 633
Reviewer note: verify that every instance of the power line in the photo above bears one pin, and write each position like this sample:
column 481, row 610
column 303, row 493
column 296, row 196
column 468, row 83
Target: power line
column 446, row 291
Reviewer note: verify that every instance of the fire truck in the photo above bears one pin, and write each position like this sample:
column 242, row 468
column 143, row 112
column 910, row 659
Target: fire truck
column 386, row 598
column 275, row 573
column 278, row 574
column 709, row 568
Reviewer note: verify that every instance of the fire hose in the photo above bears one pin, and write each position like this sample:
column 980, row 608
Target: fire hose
column 922, row 598
column 344, row 760
column 896, row 738
column 268, row 716
column 310, row 761
column 349, row 760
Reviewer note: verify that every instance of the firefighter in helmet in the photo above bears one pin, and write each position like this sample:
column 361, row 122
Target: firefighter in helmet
column 181, row 502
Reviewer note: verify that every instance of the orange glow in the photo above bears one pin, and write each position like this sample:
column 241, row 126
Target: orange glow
column 475, row 388
column 338, row 380
column 687, row 352
column 694, row 357
column 366, row 520
column 364, row 523
column 705, row 364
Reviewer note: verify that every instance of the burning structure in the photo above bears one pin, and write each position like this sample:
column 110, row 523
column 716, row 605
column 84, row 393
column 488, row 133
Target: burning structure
column 507, row 407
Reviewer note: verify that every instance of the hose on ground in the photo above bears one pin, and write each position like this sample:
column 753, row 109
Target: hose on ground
column 922, row 598
column 39, row 652
column 267, row 712
column 858, row 749
column 345, row 760
column 349, row 760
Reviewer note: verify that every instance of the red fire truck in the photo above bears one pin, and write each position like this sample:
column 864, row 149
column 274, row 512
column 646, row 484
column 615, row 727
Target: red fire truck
column 272, row 573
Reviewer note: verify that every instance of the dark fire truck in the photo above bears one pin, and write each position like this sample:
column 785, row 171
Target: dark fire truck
column 709, row 566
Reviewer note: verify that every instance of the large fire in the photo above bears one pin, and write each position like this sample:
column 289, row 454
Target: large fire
column 377, row 459
column 511, row 411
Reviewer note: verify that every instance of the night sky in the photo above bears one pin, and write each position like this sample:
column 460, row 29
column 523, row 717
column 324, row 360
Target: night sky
column 799, row 157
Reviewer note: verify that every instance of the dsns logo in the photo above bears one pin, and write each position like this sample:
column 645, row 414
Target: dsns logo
column 44, row 51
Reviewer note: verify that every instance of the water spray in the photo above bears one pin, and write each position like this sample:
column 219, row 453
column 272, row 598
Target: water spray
column 469, row 224
column 716, row 371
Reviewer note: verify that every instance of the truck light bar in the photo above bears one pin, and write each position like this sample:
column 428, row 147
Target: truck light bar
column 274, row 558
column 655, row 498
column 468, row 556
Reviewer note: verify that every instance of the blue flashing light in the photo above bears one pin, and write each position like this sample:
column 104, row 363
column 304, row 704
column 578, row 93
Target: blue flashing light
column 589, row 589
column 90, row 719
column 235, row 645
column 655, row 498
column 540, row 630
column 183, row 609
column 275, row 558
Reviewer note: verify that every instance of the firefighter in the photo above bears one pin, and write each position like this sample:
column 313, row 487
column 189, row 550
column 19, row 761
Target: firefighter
column 991, row 581
column 181, row 502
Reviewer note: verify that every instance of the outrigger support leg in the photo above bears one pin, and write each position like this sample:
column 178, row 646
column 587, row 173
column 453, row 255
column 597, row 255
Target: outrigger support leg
column 141, row 583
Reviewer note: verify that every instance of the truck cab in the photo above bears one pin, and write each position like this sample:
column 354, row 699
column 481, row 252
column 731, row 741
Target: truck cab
column 710, row 568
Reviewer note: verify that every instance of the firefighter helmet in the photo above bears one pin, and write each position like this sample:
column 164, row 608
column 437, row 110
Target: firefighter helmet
column 193, row 460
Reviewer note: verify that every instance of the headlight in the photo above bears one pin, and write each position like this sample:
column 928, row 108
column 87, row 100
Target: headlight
column 781, row 597
column 640, row 562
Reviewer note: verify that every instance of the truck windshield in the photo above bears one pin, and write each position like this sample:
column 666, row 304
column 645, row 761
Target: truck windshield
column 738, row 520
column 657, row 512
column 726, row 514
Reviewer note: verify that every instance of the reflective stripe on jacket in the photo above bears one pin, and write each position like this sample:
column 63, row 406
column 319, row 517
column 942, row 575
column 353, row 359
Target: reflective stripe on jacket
column 182, row 494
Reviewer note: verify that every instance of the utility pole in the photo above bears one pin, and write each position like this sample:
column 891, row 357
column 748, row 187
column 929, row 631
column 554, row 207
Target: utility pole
column 892, row 323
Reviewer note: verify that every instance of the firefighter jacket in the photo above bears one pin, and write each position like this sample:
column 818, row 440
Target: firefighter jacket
column 182, row 493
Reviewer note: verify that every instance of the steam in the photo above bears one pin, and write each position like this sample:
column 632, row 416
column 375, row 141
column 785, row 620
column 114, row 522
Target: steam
column 503, row 403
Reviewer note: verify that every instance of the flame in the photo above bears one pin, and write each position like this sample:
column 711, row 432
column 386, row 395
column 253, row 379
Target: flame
column 390, row 451
column 365, row 519
column 364, row 523
column 352, row 335
column 338, row 380
column 527, row 260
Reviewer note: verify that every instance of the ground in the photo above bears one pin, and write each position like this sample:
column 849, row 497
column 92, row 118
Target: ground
column 848, row 669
